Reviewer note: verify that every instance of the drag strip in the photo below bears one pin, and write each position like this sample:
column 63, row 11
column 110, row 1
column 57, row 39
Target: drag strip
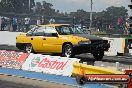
column 84, row 57
column 35, row 78
column 17, row 82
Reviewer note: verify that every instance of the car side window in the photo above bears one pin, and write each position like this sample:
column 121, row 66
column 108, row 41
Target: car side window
column 39, row 31
column 63, row 30
column 50, row 32
column 66, row 30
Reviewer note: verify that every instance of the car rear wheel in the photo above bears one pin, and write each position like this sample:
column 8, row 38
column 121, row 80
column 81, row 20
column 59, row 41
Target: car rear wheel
column 67, row 51
column 28, row 48
column 99, row 55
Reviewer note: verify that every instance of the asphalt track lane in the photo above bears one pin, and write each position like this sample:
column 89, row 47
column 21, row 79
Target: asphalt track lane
column 9, row 82
column 17, row 82
column 83, row 57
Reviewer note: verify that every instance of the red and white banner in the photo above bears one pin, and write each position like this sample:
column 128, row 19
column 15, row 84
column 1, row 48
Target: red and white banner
column 49, row 64
column 12, row 59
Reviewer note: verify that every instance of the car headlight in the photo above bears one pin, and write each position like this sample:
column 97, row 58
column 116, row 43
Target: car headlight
column 84, row 42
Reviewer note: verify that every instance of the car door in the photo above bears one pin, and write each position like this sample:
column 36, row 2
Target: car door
column 51, row 42
column 37, row 39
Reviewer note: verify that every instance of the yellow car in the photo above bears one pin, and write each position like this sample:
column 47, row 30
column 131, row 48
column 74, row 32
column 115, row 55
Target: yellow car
column 62, row 39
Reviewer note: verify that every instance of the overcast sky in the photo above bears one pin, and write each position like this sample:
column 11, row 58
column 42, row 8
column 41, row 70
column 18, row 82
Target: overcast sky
column 98, row 5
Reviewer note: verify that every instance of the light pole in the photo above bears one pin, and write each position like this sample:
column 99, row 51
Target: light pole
column 91, row 15
column 29, row 5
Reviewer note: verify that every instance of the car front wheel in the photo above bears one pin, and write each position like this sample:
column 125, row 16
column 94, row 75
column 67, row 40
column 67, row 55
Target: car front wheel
column 67, row 51
column 98, row 56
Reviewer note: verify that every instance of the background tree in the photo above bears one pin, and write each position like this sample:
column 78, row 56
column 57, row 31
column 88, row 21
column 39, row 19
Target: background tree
column 38, row 8
column 80, row 15
column 113, row 13
column 110, row 15
column 16, row 6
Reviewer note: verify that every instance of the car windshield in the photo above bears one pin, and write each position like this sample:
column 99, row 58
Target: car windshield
column 66, row 30
column 32, row 30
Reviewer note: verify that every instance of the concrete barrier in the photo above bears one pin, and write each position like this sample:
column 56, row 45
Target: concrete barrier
column 49, row 64
column 130, row 51
column 83, row 69
column 130, row 45
column 12, row 59
column 117, row 46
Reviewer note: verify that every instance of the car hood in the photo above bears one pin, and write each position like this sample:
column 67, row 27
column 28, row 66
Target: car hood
column 90, row 37
column 23, row 34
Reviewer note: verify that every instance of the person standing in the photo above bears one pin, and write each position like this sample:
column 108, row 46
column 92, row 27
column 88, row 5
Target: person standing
column 14, row 24
column 120, row 25
column 126, row 28
column 8, row 24
column 2, row 24
column 22, row 24
column 38, row 21
column 42, row 20
column 52, row 20
column 111, row 28
column 120, row 21
column 27, row 24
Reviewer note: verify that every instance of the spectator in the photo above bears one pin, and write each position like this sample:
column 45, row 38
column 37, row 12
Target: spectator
column 120, row 21
column 98, row 25
column 20, row 25
column 51, row 21
column 42, row 21
column 3, row 23
column 82, row 23
column 38, row 21
column 14, row 23
column 8, row 24
column 111, row 28
column 126, row 27
column 74, row 21
column 27, row 24
column 120, row 25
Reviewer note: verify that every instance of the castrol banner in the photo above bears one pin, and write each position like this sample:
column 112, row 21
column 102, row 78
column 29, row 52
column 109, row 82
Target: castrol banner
column 49, row 64
column 12, row 59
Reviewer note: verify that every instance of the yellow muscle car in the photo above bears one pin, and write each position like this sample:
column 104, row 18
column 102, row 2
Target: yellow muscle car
column 62, row 39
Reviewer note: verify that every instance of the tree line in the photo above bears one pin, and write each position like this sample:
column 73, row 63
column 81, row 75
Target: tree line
column 44, row 8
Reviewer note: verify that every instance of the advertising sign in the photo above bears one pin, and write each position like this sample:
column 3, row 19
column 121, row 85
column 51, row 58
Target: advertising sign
column 123, row 80
column 49, row 64
column 12, row 59
column 118, row 79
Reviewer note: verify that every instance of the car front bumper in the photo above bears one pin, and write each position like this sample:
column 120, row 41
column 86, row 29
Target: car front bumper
column 90, row 48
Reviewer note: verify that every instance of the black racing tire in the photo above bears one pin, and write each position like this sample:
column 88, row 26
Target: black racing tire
column 81, row 80
column 28, row 48
column 98, row 55
column 67, row 51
